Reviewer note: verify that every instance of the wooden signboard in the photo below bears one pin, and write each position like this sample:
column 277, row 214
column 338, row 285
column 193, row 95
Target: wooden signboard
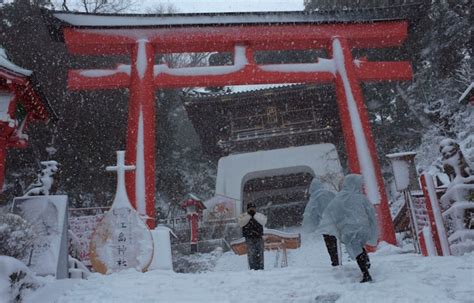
column 121, row 240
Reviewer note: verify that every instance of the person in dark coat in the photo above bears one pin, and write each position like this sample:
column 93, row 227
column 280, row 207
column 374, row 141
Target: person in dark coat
column 252, row 224
column 318, row 201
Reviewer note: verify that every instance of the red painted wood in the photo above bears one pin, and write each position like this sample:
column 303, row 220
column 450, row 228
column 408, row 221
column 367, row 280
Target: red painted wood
column 424, row 250
column 249, row 75
column 194, row 218
column 387, row 232
column 3, row 155
column 20, row 87
column 384, row 71
column 94, row 42
column 76, row 81
column 429, row 210
column 256, row 37
column 368, row 71
column 220, row 38
column 142, row 99
column 32, row 103
column 345, row 119
column 14, row 78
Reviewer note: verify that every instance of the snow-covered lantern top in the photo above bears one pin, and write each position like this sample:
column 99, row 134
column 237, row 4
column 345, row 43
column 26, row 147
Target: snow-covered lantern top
column 404, row 172
column 193, row 205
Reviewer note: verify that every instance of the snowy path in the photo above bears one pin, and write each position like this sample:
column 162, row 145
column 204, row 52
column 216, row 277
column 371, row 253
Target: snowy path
column 309, row 278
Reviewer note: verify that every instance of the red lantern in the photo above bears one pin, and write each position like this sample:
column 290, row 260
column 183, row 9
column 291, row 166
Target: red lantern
column 194, row 208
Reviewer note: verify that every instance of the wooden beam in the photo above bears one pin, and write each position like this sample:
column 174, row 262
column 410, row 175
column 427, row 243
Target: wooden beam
column 77, row 80
column 250, row 74
column 383, row 71
column 219, row 38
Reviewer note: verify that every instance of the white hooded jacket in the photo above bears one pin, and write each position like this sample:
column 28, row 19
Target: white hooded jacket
column 351, row 217
column 318, row 201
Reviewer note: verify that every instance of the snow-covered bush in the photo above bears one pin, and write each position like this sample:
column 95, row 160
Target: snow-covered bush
column 15, row 280
column 16, row 235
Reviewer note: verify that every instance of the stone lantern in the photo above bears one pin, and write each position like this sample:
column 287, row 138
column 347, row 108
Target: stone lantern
column 404, row 172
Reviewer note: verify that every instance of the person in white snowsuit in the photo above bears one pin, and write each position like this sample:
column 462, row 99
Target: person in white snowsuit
column 351, row 218
column 252, row 224
column 318, row 201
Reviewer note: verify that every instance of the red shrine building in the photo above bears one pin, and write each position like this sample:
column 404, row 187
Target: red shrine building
column 21, row 102
column 143, row 38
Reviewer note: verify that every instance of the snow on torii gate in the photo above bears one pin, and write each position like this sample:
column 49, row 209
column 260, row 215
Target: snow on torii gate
column 142, row 36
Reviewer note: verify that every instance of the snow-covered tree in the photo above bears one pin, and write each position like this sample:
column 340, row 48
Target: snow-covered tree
column 16, row 280
column 16, row 236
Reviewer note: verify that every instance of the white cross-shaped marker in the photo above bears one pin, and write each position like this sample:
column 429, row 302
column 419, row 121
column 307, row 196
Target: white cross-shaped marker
column 121, row 198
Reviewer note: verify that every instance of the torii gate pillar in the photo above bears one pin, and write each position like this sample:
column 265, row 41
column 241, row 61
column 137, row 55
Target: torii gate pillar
column 141, row 131
column 359, row 143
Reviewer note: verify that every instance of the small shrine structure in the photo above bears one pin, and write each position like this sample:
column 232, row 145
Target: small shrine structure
column 21, row 102
column 194, row 208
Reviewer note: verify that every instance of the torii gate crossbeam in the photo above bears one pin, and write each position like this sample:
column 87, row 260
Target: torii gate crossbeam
column 143, row 77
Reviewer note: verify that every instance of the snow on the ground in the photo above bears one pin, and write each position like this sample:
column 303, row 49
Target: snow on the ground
column 15, row 279
column 398, row 277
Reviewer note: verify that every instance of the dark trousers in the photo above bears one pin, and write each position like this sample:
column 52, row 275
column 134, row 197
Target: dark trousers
column 331, row 245
column 363, row 261
column 255, row 248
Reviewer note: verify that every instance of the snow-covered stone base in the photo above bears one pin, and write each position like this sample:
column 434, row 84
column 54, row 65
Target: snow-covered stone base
column 16, row 280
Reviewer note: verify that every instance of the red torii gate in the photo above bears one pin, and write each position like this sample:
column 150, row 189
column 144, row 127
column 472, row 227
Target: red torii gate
column 141, row 37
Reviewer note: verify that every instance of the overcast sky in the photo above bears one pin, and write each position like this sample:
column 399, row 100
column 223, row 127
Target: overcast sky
column 200, row 6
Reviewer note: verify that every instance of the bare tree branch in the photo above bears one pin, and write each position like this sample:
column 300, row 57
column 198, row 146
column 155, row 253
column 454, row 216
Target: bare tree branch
column 64, row 6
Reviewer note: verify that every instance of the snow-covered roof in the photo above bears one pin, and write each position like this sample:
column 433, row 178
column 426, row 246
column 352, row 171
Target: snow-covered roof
column 247, row 88
column 144, row 20
column 7, row 64
column 56, row 20
column 33, row 98
column 236, row 89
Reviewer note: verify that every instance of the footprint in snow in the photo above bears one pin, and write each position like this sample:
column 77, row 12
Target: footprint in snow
column 327, row 298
